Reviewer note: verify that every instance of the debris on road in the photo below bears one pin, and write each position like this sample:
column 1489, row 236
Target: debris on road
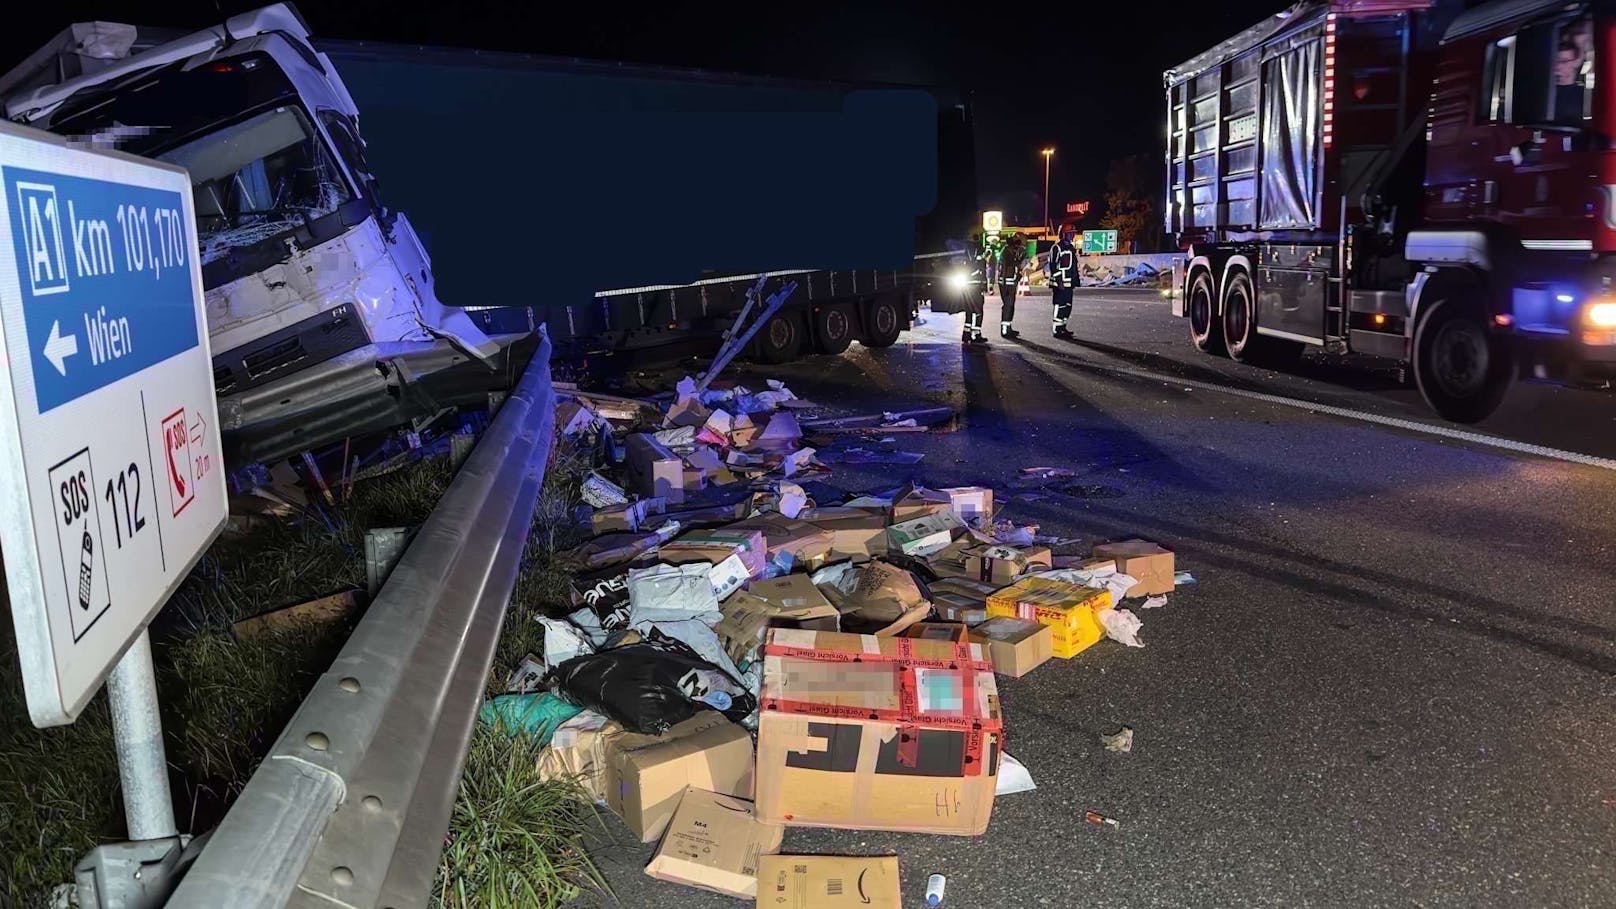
column 1099, row 820
column 935, row 885
column 1013, row 777
column 728, row 592
column 1122, row 626
column 1119, row 742
column 713, row 842
column 829, row 881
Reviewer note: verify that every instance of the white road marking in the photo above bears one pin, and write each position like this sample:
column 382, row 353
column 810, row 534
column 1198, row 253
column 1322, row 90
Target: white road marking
column 1445, row 432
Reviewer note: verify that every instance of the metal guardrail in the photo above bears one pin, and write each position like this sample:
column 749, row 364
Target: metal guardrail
column 351, row 805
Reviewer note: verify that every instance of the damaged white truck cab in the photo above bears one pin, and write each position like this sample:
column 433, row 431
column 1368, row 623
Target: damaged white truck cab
column 322, row 316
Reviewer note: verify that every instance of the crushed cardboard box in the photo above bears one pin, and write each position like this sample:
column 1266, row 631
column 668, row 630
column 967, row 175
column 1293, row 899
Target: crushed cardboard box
column 625, row 518
column 855, row 532
column 791, row 544
column 713, row 842
column 1070, row 610
column 876, row 597
column 654, row 471
column 919, row 502
column 792, row 601
column 924, row 536
column 972, row 504
column 717, row 545
column 1003, row 564
column 611, row 549
column 868, row 733
column 828, row 882
column 644, row 776
column 949, row 632
column 1150, row 565
column 1016, row 646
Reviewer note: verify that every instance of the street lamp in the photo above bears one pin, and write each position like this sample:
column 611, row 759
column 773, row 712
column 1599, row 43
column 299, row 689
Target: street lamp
column 1048, row 154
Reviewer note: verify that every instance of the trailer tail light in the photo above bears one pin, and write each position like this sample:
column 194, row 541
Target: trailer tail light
column 1329, row 80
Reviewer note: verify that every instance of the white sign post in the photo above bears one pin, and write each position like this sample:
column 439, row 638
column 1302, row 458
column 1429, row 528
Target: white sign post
column 111, row 478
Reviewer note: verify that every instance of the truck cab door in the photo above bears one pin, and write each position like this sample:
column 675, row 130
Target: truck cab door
column 1542, row 158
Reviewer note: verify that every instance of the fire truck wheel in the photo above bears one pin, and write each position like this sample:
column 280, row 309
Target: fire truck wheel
column 833, row 329
column 1240, row 317
column 1462, row 369
column 781, row 340
column 1206, row 330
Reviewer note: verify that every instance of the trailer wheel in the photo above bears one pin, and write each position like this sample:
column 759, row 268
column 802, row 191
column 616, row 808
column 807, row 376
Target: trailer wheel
column 1206, row 330
column 883, row 322
column 1463, row 371
column 781, row 340
column 833, row 329
column 1240, row 317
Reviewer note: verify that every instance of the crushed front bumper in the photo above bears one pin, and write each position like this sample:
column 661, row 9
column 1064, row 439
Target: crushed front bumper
column 369, row 389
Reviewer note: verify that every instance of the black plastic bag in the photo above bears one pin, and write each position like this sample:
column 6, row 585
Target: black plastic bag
column 652, row 685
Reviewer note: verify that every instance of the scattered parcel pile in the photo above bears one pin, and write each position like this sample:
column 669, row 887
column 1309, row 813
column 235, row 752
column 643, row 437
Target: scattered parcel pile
column 750, row 648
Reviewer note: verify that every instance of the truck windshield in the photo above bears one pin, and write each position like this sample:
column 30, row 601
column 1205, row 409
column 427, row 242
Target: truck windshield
column 257, row 179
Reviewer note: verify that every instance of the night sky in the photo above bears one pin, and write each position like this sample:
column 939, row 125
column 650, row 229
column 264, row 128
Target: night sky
column 1083, row 76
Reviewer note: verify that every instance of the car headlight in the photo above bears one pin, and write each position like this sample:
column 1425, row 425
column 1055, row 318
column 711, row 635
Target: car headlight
column 1600, row 315
column 959, row 280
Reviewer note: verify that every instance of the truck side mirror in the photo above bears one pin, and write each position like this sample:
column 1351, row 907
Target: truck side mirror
column 1532, row 95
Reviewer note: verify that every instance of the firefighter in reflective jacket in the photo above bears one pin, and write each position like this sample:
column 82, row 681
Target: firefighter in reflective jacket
column 1011, row 260
column 1063, row 277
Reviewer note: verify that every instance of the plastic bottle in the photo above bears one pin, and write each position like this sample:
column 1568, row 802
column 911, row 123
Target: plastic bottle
column 934, row 890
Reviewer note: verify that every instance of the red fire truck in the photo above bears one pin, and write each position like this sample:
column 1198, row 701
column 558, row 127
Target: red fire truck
column 1409, row 180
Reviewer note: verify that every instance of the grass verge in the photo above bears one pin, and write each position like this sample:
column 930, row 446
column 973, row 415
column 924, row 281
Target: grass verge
column 514, row 839
column 224, row 701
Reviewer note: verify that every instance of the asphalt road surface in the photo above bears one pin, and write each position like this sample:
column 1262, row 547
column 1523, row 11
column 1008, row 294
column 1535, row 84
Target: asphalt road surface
column 1393, row 684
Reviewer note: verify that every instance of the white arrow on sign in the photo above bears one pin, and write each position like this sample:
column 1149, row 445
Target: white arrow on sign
column 59, row 348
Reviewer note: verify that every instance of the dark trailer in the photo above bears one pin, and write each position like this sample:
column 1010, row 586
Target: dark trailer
column 634, row 206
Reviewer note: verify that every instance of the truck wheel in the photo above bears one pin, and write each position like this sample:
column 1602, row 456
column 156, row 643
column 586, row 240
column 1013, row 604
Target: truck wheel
column 833, row 329
column 883, row 322
column 781, row 340
column 1462, row 369
column 1240, row 317
column 1206, row 331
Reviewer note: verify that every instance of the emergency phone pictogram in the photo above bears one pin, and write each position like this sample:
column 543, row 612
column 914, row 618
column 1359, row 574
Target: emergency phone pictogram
column 177, row 459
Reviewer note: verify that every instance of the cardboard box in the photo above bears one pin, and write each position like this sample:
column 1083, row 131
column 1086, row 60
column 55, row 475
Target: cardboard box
column 878, row 598
column 961, row 600
column 870, row 733
column 1145, row 562
column 919, row 502
column 625, row 518
column 645, row 775
column 924, row 536
column 1003, row 564
column 855, row 532
column 1071, row 611
column 795, row 544
column 949, row 562
column 972, row 504
column 747, row 617
column 716, row 545
column 949, row 632
column 654, row 471
column 577, row 752
column 1016, row 646
column 611, row 549
column 713, row 842
column 828, row 882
